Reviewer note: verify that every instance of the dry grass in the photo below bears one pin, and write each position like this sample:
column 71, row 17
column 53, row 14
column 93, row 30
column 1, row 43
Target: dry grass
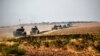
column 73, row 41
column 72, row 45
column 76, row 45
column 90, row 29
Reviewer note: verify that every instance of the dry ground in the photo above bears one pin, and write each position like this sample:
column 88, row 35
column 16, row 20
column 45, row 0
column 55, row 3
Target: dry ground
column 78, row 28
column 68, row 50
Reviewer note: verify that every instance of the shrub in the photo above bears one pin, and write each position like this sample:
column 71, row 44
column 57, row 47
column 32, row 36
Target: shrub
column 97, row 45
column 79, row 44
column 79, row 47
column 2, row 45
column 36, row 43
column 20, row 51
column 13, row 39
column 13, row 50
column 60, row 42
column 46, row 44
column 97, row 48
column 10, row 50
column 7, row 50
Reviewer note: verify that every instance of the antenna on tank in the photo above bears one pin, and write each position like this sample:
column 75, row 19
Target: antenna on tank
column 20, row 22
column 34, row 21
column 31, row 22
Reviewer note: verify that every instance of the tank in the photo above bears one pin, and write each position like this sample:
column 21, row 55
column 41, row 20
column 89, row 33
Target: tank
column 59, row 27
column 56, row 27
column 34, row 30
column 69, row 24
column 64, row 26
column 19, row 32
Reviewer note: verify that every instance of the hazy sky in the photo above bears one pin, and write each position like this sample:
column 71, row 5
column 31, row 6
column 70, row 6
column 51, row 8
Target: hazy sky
column 48, row 11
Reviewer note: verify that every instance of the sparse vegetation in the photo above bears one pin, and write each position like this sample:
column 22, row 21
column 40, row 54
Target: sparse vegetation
column 36, row 43
column 11, row 50
column 80, row 42
column 46, row 44
column 97, row 45
column 60, row 42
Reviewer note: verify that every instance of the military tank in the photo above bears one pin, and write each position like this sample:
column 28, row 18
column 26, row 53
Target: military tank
column 34, row 30
column 59, row 27
column 69, row 24
column 19, row 32
column 64, row 26
column 56, row 27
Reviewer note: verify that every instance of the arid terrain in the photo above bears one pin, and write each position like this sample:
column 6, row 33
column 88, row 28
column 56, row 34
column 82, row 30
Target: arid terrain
column 7, row 32
column 81, row 39
column 77, row 28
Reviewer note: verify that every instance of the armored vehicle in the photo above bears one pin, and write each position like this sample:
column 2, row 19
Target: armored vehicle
column 69, row 24
column 19, row 32
column 64, row 26
column 56, row 27
column 34, row 30
column 59, row 27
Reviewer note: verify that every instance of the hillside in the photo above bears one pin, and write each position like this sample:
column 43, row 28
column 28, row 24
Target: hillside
column 78, row 28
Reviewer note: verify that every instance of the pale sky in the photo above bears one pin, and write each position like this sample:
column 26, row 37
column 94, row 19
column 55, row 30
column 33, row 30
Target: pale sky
column 48, row 11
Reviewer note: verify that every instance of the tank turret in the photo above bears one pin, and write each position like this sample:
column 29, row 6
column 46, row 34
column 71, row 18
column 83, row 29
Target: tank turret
column 19, row 32
column 34, row 30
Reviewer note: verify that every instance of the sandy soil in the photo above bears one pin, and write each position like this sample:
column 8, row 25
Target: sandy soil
column 75, row 29
column 7, row 32
column 78, row 28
